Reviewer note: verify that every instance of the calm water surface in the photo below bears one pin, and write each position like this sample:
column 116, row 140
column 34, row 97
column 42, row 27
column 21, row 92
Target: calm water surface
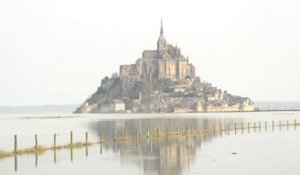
column 264, row 151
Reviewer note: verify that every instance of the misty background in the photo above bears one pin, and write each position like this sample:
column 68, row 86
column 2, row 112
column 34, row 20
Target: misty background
column 57, row 52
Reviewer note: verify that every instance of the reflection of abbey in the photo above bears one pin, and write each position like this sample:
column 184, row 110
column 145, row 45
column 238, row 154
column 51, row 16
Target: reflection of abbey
column 162, row 80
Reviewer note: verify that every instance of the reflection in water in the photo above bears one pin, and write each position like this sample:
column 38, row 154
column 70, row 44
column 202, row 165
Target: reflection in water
column 36, row 159
column 160, row 155
column 54, row 156
column 86, row 151
column 16, row 163
column 71, row 154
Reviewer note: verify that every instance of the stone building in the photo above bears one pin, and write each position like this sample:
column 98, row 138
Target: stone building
column 162, row 80
column 166, row 62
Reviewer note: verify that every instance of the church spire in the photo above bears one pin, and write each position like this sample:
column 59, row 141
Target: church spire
column 161, row 27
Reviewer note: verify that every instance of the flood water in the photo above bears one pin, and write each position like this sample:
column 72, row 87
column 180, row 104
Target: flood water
column 264, row 150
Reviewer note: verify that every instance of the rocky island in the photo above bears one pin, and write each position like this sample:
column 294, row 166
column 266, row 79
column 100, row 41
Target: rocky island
column 162, row 80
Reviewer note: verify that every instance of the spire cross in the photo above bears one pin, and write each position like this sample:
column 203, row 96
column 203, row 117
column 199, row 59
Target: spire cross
column 161, row 27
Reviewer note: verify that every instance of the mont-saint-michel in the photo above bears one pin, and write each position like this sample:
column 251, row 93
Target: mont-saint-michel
column 162, row 80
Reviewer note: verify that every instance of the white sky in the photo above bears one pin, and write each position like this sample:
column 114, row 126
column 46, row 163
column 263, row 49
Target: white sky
column 57, row 52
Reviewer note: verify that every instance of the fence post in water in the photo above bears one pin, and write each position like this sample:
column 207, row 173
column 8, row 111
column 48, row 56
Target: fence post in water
column 272, row 125
column 242, row 125
column 148, row 133
column 248, row 127
column 86, row 137
column 54, row 141
column 187, row 129
column 16, row 144
column 259, row 126
column 280, row 124
column 287, row 124
column 266, row 125
column 100, row 137
column 71, row 138
column 254, row 126
column 115, row 136
column 36, row 142
column 235, row 128
column 125, row 134
column 177, row 131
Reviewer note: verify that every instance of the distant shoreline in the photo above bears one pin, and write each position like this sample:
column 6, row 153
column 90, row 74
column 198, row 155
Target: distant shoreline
column 69, row 109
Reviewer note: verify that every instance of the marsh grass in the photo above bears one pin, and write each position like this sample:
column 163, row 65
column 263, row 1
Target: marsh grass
column 33, row 150
column 5, row 154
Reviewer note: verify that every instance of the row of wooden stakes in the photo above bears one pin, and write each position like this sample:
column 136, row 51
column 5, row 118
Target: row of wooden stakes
column 37, row 149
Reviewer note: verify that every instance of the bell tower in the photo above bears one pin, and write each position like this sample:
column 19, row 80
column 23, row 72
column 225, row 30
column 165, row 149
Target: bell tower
column 162, row 42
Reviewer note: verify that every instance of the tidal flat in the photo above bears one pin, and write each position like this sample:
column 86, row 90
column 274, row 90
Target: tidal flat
column 194, row 143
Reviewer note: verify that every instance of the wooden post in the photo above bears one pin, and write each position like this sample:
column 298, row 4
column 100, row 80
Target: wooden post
column 248, row 127
column 36, row 142
column 71, row 138
column 228, row 128
column 148, row 133
column 266, row 125
column 214, row 127
column 242, row 125
column 101, row 148
column 279, row 124
column 177, row 131
column 54, row 141
column 272, row 125
column 187, row 129
column 254, row 126
column 86, row 137
column 100, row 137
column 235, row 128
column 136, row 134
column 16, row 144
column 115, row 136
column 125, row 133
column 295, row 124
column 259, row 125
column 167, row 131
column 287, row 124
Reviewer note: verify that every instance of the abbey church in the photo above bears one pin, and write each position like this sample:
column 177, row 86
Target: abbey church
column 162, row 80
column 166, row 62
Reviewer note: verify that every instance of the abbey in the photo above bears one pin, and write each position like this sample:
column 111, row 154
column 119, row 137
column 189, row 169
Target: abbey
column 166, row 62
column 162, row 80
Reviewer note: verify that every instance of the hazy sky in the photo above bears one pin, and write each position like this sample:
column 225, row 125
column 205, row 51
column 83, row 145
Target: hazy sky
column 57, row 52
